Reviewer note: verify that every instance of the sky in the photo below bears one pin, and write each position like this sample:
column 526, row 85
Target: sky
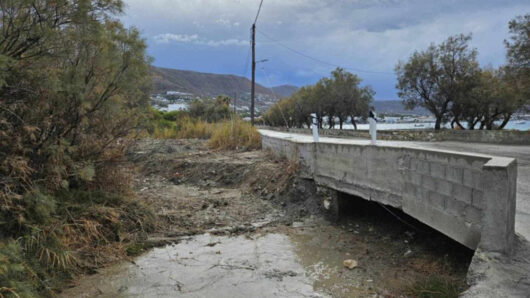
column 304, row 40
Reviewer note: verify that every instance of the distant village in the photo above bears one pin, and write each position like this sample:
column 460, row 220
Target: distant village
column 391, row 115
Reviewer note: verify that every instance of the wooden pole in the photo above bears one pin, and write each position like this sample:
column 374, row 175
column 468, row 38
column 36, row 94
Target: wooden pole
column 252, row 88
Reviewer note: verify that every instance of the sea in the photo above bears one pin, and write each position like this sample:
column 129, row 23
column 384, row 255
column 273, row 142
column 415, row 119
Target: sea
column 523, row 125
column 391, row 124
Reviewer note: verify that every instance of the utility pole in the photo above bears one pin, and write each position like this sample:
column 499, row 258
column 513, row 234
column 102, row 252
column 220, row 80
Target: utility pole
column 252, row 91
column 235, row 102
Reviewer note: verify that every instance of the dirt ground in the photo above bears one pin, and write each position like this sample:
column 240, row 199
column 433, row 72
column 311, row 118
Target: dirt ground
column 230, row 194
column 194, row 189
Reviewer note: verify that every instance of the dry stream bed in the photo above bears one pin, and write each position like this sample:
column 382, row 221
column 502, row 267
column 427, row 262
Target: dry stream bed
column 241, row 224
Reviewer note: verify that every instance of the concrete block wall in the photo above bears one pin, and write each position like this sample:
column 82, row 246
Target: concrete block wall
column 300, row 152
column 468, row 197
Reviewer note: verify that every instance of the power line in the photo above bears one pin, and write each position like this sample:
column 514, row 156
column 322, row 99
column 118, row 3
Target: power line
column 275, row 97
column 247, row 60
column 257, row 14
column 319, row 60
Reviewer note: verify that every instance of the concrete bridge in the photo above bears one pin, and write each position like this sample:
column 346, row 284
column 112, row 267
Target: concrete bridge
column 469, row 197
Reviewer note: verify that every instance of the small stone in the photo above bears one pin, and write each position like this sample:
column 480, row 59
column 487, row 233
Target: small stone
column 349, row 263
column 327, row 204
column 297, row 224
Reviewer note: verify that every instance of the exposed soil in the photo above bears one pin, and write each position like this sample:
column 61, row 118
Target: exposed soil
column 229, row 194
column 194, row 189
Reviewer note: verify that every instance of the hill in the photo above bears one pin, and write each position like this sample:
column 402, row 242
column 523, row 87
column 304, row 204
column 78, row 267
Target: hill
column 209, row 84
column 284, row 90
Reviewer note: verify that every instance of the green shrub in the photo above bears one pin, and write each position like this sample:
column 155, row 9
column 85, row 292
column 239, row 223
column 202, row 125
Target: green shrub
column 16, row 279
column 435, row 286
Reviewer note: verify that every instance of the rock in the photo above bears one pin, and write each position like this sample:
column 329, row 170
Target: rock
column 327, row 204
column 297, row 224
column 350, row 263
column 406, row 254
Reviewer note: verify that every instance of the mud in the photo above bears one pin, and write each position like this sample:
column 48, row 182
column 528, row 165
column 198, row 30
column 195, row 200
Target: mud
column 241, row 224
column 208, row 266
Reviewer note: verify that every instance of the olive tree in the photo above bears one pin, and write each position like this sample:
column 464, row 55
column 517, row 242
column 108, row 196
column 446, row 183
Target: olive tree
column 438, row 76
column 338, row 96
column 518, row 55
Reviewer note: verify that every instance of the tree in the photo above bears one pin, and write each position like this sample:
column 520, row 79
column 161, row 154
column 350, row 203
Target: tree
column 360, row 107
column 73, row 82
column 437, row 77
column 281, row 113
column 518, row 55
column 339, row 96
column 211, row 110
column 343, row 90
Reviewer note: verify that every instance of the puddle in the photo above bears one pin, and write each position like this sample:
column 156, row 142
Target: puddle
column 207, row 266
column 301, row 260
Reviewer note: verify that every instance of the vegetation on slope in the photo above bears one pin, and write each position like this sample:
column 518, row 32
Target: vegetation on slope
column 73, row 85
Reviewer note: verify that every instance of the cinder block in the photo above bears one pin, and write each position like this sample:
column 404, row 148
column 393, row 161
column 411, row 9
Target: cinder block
column 438, row 170
column 444, row 187
column 422, row 194
column 454, row 174
column 427, row 182
column 437, row 200
column 467, row 178
column 472, row 179
column 473, row 215
column 462, row 193
column 478, row 199
column 415, row 179
column 455, row 207
column 423, row 167
column 414, row 163
column 409, row 190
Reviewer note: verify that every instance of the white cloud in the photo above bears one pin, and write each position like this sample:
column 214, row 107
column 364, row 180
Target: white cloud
column 169, row 37
column 166, row 38
column 222, row 21
column 364, row 34
column 226, row 42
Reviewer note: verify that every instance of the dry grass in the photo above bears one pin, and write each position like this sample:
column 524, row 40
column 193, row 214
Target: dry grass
column 184, row 127
column 190, row 128
column 234, row 134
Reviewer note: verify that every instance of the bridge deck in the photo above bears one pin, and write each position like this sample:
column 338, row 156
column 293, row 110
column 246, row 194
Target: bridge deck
column 490, row 274
column 521, row 153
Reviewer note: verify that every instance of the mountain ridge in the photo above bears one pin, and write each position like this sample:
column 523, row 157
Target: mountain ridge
column 211, row 84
